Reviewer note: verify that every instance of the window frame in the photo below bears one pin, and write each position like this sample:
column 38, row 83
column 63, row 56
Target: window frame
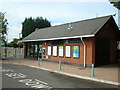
column 48, row 51
column 59, row 49
column 55, row 54
column 70, row 51
column 78, row 51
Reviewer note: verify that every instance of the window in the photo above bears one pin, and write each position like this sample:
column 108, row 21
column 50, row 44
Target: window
column 36, row 48
column 31, row 49
column 54, row 50
column 67, row 53
column 61, row 51
column 49, row 50
column 40, row 47
column 76, row 51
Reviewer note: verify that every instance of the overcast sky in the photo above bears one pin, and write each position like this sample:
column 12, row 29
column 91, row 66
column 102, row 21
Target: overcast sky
column 56, row 11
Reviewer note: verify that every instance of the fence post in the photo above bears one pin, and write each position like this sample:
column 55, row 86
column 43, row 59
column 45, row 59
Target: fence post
column 92, row 71
column 5, row 52
column 15, row 52
column 60, row 66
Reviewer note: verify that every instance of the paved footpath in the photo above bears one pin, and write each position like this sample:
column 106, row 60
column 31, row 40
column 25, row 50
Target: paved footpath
column 105, row 74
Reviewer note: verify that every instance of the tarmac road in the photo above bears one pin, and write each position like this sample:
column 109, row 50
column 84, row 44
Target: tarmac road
column 16, row 76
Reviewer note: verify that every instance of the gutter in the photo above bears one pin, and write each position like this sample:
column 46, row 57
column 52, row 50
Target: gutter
column 56, row 38
column 84, row 51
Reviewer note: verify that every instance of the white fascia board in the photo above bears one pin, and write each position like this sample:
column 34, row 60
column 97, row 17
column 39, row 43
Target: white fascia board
column 58, row 38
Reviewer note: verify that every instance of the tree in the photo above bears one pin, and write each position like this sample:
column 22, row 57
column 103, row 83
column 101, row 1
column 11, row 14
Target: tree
column 115, row 4
column 14, row 43
column 30, row 24
column 3, row 26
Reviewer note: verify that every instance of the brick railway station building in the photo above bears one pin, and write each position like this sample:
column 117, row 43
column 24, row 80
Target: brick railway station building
column 86, row 42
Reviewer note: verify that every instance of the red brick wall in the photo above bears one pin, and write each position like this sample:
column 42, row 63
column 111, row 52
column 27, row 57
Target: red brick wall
column 108, row 32
column 89, row 52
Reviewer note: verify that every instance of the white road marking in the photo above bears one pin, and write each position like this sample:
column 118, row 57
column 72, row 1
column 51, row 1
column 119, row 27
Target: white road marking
column 20, row 75
column 41, row 86
column 16, row 75
column 34, row 83
column 8, row 70
column 25, row 80
column 41, row 82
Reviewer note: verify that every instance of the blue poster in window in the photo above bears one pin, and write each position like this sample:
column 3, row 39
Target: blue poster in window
column 75, row 51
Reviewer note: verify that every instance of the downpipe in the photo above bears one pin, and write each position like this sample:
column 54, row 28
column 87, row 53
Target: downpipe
column 84, row 51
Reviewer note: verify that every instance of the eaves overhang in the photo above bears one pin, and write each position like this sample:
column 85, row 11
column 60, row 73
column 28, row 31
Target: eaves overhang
column 22, row 41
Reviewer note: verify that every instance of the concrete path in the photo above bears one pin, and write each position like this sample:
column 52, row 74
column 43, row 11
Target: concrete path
column 105, row 74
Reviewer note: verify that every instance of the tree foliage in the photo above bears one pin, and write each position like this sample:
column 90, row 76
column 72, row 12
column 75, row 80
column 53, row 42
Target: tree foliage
column 115, row 4
column 14, row 43
column 3, row 26
column 3, row 23
column 30, row 24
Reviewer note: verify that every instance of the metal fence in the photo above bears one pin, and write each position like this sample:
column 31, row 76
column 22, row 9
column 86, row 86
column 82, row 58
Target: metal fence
column 12, row 52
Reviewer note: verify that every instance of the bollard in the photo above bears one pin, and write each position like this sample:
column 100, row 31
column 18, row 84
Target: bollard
column 18, row 59
column 38, row 61
column 60, row 66
column 39, row 57
column 92, row 71
column 18, row 56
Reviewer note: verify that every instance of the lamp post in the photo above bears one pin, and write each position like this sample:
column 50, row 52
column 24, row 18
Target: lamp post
column 19, row 50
